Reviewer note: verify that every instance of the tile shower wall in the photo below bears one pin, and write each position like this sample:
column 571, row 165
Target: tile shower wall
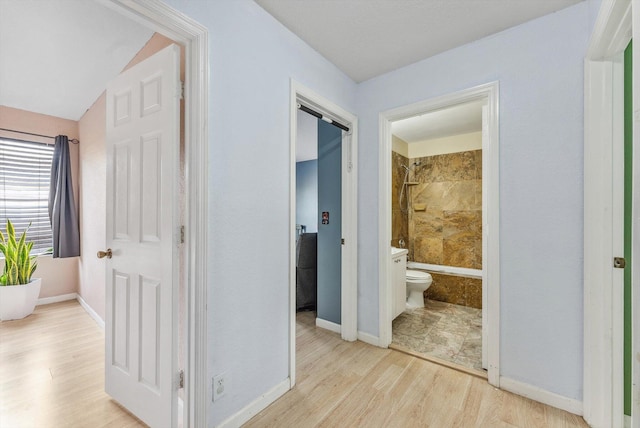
column 445, row 222
column 456, row 289
column 399, row 220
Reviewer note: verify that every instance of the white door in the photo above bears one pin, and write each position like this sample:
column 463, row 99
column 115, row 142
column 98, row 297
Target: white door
column 142, row 140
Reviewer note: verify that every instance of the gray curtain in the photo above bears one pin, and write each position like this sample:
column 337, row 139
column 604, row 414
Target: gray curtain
column 62, row 207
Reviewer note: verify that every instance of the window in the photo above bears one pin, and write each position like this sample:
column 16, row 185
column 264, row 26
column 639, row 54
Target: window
column 25, row 172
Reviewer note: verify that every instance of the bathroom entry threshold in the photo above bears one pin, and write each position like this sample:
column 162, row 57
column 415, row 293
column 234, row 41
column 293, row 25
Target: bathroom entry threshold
column 482, row 374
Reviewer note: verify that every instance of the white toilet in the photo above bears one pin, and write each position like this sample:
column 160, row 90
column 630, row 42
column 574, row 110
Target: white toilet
column 417, row 282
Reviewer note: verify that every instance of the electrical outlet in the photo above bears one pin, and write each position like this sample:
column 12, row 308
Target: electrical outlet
column 220, row 385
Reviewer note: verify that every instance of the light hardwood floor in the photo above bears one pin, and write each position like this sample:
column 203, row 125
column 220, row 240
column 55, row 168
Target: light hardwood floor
column 52, row 372
column 52, row 375
column 341, row 384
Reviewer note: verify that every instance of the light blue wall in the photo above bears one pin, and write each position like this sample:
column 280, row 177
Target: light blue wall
column 329, row 235
column 540, row 67
column 307, row 194
column 253, row 59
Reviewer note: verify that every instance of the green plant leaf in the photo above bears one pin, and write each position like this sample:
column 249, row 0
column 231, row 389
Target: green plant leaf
column 19, row 264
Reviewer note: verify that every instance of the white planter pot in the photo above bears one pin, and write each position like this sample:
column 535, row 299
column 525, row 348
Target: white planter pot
column 18, row 301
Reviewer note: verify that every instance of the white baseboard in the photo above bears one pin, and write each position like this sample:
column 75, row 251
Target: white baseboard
column 56, row 299
column 328, row 325
column 369, row 338
column 257, row 405
column 93, row 314
column 542, row 395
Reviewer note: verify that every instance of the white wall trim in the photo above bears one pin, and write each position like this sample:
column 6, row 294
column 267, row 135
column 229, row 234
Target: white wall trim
column 368, row 338
column 256, row 406
column 93, row 314
column 603, row 379
column 541, row 395
column 194, row 37
column 328, row 325
column 56, row 299
column 490, row 215
column 349, row 275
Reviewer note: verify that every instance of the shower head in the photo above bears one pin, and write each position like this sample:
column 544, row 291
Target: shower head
column 413, row 165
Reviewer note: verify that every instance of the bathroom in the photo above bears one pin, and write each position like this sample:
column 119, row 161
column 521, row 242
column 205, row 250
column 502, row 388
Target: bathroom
column 437, row 217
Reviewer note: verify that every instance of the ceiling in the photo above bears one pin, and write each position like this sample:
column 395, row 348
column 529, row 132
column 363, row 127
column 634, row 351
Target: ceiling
column 58, row 55
column 366, row 38
column 456, row 120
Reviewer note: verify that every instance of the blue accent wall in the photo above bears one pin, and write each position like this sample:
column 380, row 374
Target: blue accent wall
column 307, row 194
column 329, row 235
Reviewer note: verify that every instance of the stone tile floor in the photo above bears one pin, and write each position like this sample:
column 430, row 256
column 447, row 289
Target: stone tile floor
column 442, row 330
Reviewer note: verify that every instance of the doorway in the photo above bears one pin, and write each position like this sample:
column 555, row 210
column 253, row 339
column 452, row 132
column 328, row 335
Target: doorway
column 340, row 149
column 318, row 220
column 487, row 95
column 436, row 218
column 194, row 38
column 604, row 200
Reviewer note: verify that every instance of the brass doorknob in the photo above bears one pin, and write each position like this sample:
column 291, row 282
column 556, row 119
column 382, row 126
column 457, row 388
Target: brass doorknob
column 102, row 254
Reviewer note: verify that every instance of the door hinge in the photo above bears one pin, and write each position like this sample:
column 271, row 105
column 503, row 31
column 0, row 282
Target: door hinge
column 182, row 234
column 182, row 90
column 181, row 379
column 619, row 262
column 342, row 241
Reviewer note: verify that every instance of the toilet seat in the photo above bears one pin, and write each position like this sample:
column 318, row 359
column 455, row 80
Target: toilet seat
column 418, row 275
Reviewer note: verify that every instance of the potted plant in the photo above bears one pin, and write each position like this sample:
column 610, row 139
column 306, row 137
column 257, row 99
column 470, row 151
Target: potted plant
column 18, row 292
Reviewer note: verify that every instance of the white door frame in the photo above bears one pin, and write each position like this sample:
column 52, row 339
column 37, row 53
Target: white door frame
column 490, row 214
column 194, row 37
column 603, row 375
column 349, row 275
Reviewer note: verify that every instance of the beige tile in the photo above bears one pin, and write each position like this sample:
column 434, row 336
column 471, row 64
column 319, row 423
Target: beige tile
column 460, row 196
column 442, row 330
column 459, row 253
column 447, row 288
column 425, row 172
column 478, row 194
column 478, row 248
column 427, row 223
column 399, row 226
column 478, row 156
column 427, row 250
column 457, row 166
column 474, row 293
column 462, row 224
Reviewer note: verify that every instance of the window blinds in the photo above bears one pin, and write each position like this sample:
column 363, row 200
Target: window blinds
column 25, row 172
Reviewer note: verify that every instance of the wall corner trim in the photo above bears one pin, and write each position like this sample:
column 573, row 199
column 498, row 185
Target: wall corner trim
column 328, row 325
column 56, row 299
column 256, row 406
column 93, row 314
column 542, row 396
column 370, row 339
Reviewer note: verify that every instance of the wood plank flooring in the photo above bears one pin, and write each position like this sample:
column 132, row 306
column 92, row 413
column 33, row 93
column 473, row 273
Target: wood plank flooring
column 52, row 372
column 342, row 384
column 52, row 375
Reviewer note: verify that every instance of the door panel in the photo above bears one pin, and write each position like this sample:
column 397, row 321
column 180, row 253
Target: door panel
column 142, row 166
column 329, row 233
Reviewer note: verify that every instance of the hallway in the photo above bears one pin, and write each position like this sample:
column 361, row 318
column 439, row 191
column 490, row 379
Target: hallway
column 343, row 384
